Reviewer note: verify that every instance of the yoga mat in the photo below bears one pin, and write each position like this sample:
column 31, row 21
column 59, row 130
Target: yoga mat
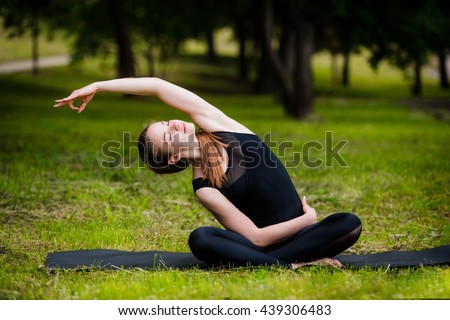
column 159, row 260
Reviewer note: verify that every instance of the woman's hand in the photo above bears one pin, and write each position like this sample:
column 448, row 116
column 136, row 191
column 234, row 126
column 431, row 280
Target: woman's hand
column 310, row 212
column 85, row 94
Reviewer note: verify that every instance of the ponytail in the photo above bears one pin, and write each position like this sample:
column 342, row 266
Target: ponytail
column 211, row 153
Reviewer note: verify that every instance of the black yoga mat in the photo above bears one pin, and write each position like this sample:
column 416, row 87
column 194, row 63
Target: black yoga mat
column 157, row 260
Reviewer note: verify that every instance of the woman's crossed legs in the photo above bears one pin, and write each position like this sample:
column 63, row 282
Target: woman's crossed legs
column 324, row 239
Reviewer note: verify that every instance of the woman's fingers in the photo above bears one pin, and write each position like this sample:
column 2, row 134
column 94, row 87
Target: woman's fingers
column 69, row 103
column 82, row 106
column 84, row 102
column 306, row 207
column 308, row 210
column 72, row 106
column 61, row 102
column 72, row 97
column 304, row 201
column 84, row 94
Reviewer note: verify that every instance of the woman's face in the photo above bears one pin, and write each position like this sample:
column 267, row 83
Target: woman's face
column 171, row 136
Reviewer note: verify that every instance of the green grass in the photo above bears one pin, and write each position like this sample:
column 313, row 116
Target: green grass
column 55, row 196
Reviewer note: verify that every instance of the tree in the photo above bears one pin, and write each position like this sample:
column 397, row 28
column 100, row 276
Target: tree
column 99, row 27
column 292, row 67
column 241, row 16
column 342, row 30
column 122, row 39
column 439, row 39
column 159, row 26
column 404, row 36
column 23, row 16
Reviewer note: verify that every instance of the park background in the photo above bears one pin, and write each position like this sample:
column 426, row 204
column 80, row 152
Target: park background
column 371, row 72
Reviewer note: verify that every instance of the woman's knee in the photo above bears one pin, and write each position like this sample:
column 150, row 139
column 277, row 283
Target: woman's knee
column 347, row 219
column 199, row 237
column 350, row 224
column 354, row 226
column 353, row 220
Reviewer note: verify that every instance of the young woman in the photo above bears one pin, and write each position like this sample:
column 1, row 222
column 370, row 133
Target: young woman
column 237, row 178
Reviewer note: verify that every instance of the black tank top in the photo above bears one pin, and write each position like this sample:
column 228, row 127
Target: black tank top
column 257, row 182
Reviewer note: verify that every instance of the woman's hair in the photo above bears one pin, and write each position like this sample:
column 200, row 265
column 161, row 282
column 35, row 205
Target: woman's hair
column 210, row 147
column 211, row 153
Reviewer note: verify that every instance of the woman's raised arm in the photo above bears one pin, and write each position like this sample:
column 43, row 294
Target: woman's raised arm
column 204, row 114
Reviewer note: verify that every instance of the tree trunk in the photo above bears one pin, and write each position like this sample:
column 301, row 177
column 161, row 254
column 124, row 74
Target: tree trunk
column 287, row 45
column 296, row 84
column 277, row 68
column 346, row 70
column 150, row 59
column 303, row 88
column 211, row 54
column 35, row 43
column 242, row 59
column 287, row 54
column 264, row 82
column 417, row 81
column 443, row 75
column 334, row 69
column 123, row 41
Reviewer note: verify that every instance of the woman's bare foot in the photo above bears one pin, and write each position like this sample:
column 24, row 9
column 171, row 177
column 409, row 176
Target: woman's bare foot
column 321, row 262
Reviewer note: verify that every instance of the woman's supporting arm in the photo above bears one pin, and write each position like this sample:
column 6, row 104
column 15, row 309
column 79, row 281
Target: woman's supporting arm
column 234, row 220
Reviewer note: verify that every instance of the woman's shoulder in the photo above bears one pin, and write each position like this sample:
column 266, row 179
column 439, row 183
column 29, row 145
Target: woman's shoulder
column 223, row 123
column 227, row 136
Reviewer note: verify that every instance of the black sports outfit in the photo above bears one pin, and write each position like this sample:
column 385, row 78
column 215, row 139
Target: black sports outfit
column 260, row 187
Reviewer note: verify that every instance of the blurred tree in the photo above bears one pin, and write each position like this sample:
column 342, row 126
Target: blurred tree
column 160, row 25
column 439, row 40
column 122, row 38
column 342, row 30
column 209, row 13
column 241, row 16
column 24, row 16
column 99, row 27
column 206, row 16
column 164, row 24
column 404, row 36
column 291, row 63
column 283, row 34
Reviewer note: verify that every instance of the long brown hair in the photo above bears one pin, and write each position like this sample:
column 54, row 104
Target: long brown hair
column 211, row 155
column 211, row 158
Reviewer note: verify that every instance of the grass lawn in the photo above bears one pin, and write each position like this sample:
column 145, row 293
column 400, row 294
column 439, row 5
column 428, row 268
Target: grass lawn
column 55, row 195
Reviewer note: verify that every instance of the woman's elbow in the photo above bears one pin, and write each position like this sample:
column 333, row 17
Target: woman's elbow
column 261, row 243
column 259, row 239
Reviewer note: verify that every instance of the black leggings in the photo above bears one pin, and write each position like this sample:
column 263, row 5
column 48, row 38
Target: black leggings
column 324, row 239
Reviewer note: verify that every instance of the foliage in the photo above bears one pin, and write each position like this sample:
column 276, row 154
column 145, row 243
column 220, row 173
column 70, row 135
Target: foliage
column 408, row 32
column 399, row 31
column 20, row 16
